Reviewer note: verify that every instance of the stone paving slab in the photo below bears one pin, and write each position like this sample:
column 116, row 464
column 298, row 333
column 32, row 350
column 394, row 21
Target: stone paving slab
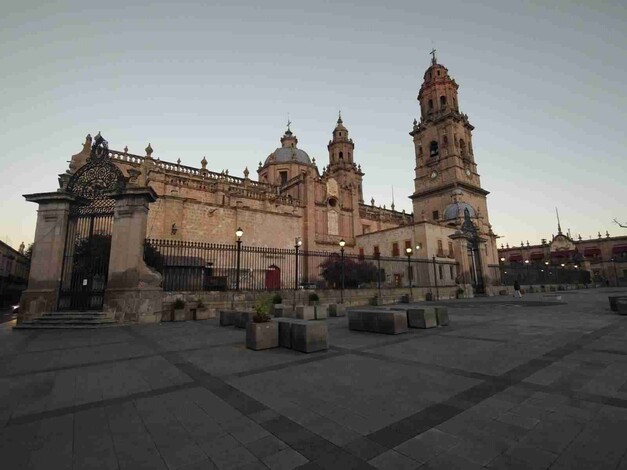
column 508, row 384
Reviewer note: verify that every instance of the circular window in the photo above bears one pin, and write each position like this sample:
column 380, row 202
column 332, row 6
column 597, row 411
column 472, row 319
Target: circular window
column 332, row 202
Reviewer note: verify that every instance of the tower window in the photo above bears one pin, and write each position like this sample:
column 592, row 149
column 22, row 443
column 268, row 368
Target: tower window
column 283, row 176
column 462, row 148
column 438, row 73
column 395, row 251
column 436, row 215
column 444, row 141
column 420, row 151
column 433, row 149
column 442, row 100
column 341, row 156
column 430, row 104
column 339, row 134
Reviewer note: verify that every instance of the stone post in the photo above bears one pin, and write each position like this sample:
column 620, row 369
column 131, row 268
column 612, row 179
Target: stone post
column 133, row 292
column 461, row 249
column 46, row 265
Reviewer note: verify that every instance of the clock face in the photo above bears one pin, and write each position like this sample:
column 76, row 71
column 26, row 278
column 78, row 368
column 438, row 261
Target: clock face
column 434, row 174
column 467, row 172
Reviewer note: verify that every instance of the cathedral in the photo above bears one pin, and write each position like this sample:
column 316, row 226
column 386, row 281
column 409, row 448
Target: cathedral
column 293, row 200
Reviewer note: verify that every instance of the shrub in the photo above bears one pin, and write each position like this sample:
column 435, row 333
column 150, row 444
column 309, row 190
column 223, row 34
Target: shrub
column 277, row 299
column 313, row 297
column 179, row 304
column 262, row 307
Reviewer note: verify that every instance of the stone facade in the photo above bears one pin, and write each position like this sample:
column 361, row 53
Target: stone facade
column 14, row 267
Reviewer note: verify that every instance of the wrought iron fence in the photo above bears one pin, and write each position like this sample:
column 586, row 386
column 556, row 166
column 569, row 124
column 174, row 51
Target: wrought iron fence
column 196, row 266
column 534, row 274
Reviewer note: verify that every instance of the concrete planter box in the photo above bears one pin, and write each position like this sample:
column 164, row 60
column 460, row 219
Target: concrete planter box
column 355, row 321
column 337, row 310
column 285, row 332
column 309, row 336
column 305, row 312
column 621, row 306
column 391, row 322
column 227, row 317
column 441, row 314
column 422, row 317
column 613, row 301
column 277, row 310
column 203, row 314
column 179, row 314
column 243, row 319
column 262, row 335
column 321, row 312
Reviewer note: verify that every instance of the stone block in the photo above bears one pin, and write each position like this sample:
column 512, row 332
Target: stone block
column 285, row 332
column 309, row 336
column 613, row 301
column 227, row 317
column 305, row 312
column 621, row 306
column 441, row 314
column 391, row 322
column 369, row 317
column 321, row 311
column 262, row 335
column 355, row 321
column 277, row 310
column 243, row 318
column 422, row 317
column 337, row 310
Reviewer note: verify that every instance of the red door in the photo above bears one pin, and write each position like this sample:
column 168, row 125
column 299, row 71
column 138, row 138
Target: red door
column 273, row 278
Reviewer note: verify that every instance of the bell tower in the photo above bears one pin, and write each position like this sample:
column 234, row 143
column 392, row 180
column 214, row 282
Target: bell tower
column 341, row 164
column 443, row 146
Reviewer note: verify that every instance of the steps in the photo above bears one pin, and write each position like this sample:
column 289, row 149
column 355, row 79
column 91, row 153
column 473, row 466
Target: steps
column 68, row 320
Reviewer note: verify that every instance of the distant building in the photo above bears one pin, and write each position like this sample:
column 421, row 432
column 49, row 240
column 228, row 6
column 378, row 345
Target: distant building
column 604, row 256
column 13, row 274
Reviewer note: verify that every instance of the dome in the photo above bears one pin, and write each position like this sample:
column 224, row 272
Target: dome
column 288, row 154
column 456, row 209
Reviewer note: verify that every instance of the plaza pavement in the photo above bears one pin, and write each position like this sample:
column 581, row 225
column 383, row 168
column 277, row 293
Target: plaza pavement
column 510, row 384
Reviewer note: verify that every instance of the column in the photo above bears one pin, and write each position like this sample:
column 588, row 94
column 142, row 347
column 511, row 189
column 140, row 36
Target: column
column 134, row 292
column 47, row 259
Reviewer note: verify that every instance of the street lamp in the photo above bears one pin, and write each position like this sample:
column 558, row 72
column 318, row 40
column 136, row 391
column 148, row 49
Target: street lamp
column 408, row 250
column 238, row 233
column 418, row 246
column 297, row 243
column 342, row 243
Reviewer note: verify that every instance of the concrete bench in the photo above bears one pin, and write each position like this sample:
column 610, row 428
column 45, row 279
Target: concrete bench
column 305, row 312
column 422, row 317
column 441, row 314
column 228, row 317
column 282, row 310
column 241, row 320
column 321, row 312
column 337, row 310
column 613, row 301
column 391, row 322
column 302, row 335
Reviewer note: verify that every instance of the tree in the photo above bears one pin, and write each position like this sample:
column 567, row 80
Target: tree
column 355, row 272
column 619, row 224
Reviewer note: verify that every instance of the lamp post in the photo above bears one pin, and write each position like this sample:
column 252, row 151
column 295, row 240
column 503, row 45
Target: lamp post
column 418, row 246
column 342, row 243
column 435, row 277
column 527, row 271
column 238, row 233
column 615, row 272
column 297, row 243
column 562, row 265
column 408, row 250
column 378, row 256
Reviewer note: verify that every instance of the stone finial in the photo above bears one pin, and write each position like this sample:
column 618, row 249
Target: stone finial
column 527, row 242
column 579, row 237
column 178, row 161
column 599, row 235
column 502, row 246
column 607, row 234
column 126, row 149
column 22, row 247
column 260, row 165
column 415, row 122
column 226, row 172
column 384, row 207
column 521, row 243
column 246, row 172
column 359, row 167
column 313, row 161
column 392, row 206
column 149, row 151
column 372, row 202
column 203, row 163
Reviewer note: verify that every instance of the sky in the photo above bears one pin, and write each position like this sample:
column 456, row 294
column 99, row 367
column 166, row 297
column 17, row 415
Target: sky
column 542, row 82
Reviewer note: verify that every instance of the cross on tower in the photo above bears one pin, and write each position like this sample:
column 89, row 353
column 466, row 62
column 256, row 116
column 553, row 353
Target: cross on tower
column 433, row 59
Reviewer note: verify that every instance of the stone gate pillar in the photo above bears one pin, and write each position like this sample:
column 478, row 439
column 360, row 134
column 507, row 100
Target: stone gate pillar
column 42, row 293
column 461, row 251
column 133, row 292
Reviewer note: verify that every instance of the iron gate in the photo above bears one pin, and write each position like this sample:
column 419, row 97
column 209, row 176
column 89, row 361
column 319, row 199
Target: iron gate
column 90, row 224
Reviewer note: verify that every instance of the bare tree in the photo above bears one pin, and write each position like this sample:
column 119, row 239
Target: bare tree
column 619, row 224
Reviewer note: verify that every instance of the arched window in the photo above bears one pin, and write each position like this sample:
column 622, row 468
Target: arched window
column 444, row 141
column 442, row 101
column 341, row 156
column 420, row 151
column 462, row 148
column 433, row 149
column 430, row 104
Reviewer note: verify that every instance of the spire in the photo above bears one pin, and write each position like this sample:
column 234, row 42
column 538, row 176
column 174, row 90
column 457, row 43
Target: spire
column 289, row 123
column 392, row 197
column 559, row 228
column 433, row 59
column 339, row 117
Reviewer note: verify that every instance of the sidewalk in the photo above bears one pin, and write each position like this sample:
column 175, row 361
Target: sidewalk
column 511, row 383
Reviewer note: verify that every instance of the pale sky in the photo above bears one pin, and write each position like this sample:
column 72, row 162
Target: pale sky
column 542, row 82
